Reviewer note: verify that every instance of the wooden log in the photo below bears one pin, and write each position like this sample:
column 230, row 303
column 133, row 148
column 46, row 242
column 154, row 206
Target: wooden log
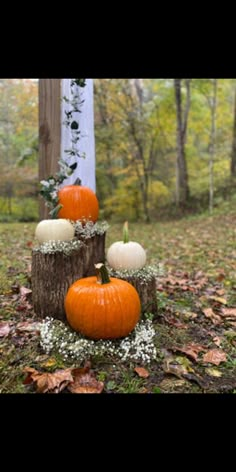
column 49, row 132
column 56, row 265
column 144, row 280
column 52, row 275
column 96, row 252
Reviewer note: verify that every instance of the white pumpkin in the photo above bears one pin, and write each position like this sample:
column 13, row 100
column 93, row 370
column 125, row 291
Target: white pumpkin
column 129, row 255
column 126, row 254
column 54, row 230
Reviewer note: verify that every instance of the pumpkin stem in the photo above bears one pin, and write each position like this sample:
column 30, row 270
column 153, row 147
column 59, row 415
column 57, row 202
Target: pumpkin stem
column 102, row 274
column 125, row 233
column 78, row 181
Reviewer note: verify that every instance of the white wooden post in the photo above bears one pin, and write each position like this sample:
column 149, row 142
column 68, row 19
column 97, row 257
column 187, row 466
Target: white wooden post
column 85, row 167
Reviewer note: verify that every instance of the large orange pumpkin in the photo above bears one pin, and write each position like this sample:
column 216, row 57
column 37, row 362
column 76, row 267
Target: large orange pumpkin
column 78, row 203
column 102, row 307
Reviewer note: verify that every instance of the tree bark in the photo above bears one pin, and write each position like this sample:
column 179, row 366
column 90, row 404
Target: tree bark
column 49, row 132
column 182, row 188
column 52, row 274
column 233, row 155
column 146, row 290
column 96, row 252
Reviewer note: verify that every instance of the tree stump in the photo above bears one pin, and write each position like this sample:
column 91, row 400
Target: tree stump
column 56, row 265
column 52, row 275
column 96, row 252
column 144, row 280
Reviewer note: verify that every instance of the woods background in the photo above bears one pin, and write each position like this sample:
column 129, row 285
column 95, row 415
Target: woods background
column 164, row 147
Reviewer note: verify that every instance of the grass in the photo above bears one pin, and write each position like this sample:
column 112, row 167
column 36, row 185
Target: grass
column 203, row 245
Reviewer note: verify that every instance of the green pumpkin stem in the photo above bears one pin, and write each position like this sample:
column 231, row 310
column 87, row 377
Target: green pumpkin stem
column 78, row 181
column 102, row 274
column 125, row 233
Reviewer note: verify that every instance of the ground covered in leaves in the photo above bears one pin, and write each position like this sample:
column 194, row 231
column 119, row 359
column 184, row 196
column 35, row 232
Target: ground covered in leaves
column 195, row 327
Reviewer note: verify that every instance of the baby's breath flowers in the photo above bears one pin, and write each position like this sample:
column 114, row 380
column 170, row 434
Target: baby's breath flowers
column 89, row 229
column 145, row 274
column 138, row 346
column 51, row 247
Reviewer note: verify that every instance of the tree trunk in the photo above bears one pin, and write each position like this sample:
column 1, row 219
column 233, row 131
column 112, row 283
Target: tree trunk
column 96, row 252
column 52, row 274
column 182, row 188
column 49, row 132
column 233, row 155
column 145, row 288
column 212, row 145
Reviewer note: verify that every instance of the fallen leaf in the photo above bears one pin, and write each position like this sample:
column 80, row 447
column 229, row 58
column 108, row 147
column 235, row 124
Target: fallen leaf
column 24, row 291
column 4, row 329
column 84, row 381
column 190, row 315
column 181, row 368
column 49, row 363
column 231, row 312
column 217, row 340
column 221, row 300
column 213, row 372
column 220, row 292
column 142, row 372
column 220, row 277
column 209, row 313
column 175, row 322
column 215, row 356
column 26, row 326
column 190, row 349
column 46, row 382
column 169, row 383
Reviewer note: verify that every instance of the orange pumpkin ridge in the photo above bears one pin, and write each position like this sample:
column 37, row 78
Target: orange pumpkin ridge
column 78, row 203
column 102, row 311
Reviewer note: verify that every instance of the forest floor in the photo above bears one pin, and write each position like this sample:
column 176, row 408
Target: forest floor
column 195, row 328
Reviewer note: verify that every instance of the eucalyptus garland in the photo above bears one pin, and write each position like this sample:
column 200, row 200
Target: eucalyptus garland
column 50, row 186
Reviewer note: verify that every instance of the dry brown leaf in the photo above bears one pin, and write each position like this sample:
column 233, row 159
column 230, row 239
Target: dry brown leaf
column 142, row 372
column 47, row 382
column 213, row 372
column 4, row 329
column 230, row 312
column 215, row 356
column 24, row 291
column 220, row 292
column 189, row 315
column 49, row 363
column 171, row 366
column 26, row 326
column 169, row 383
column 84, row 381
column 191, row 349
column 221, row 300
column 209, row 313
column 217, row 340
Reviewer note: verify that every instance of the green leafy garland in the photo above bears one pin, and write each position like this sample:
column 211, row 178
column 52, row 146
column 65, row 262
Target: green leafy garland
column 49, row 187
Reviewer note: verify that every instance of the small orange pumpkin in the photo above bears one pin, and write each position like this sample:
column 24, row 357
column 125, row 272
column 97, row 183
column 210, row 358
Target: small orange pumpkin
column 78, row 203
column 102, row 307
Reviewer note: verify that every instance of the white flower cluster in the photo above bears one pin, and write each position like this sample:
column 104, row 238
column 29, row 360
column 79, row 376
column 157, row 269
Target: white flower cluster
column 145, row 274
column 50, row 247
column 90, row 229
column 138, row 346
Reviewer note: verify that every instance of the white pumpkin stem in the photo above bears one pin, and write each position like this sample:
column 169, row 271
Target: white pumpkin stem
column 102, row 274
column 125, row 233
